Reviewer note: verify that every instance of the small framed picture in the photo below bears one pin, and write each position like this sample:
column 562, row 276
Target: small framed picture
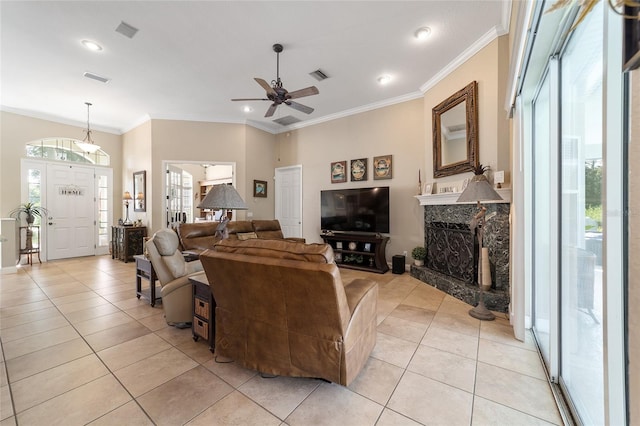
column 338, row 244
column 337, row 257
column 428, row 189
column 338, row 172
column 358, row 170
column 260, row 188
column 367, row 246
column 382, row 167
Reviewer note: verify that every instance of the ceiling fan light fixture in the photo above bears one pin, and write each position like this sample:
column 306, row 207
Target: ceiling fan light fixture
column 91, row 45
column 384, row 79
column 247, row 108
column 422, row 33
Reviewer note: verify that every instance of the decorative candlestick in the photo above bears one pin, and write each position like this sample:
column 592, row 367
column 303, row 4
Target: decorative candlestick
column 419, row 183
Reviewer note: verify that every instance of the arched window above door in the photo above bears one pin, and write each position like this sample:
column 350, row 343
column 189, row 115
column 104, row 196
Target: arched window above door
column 65, row 149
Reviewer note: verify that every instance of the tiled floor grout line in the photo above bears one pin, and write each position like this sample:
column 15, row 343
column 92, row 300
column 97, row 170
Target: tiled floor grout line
column 93, row 352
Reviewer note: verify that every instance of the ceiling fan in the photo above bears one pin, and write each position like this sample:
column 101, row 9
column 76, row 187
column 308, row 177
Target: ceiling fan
column 279, row 95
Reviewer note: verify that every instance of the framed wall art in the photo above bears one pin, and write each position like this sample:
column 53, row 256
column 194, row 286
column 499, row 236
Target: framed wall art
column 338, row 172
column 260, row 188
column 382, row 167
column 358, row 170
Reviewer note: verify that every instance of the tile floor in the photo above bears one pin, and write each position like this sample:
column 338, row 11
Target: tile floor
column 79, row 348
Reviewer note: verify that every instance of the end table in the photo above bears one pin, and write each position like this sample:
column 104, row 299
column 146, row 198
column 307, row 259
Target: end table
column 144, row 269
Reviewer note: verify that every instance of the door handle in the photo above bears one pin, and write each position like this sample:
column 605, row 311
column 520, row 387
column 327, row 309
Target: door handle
column 51, row 223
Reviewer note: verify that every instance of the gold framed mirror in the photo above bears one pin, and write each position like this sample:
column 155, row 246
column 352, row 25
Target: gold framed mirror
column 455, row 133
column 140, row 191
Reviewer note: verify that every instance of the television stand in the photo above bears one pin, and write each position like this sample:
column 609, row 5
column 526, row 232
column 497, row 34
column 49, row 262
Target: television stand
column 359, row 251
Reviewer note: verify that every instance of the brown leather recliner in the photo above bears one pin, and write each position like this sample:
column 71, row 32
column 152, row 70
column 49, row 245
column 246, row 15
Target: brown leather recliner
column 283, row 309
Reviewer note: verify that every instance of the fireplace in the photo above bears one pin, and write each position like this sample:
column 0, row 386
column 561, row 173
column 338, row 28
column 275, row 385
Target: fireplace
column 452, row 254
column 451, row 250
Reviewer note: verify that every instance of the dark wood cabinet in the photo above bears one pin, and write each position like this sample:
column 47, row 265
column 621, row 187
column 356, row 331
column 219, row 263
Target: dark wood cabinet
column 358, row 251
column 127, row 241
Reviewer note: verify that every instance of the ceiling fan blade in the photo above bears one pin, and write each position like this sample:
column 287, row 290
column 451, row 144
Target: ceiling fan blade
column 300, row 107
column 271, row 110
column 312, row 90
column 265, row 86
column 250, row 99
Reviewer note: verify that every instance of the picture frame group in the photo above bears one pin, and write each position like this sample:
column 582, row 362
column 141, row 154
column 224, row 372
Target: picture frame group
column 358, row 169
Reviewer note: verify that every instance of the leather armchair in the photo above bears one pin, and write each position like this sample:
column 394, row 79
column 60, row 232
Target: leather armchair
column 173, row 273
column 282, row 308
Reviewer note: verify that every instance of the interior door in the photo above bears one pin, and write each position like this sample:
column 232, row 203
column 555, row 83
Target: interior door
column 288, row 200
column 71, row 201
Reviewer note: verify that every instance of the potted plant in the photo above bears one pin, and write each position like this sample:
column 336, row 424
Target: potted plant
column 30, row 211
column 419, row 254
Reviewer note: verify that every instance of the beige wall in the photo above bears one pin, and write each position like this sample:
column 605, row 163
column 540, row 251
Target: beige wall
column 16, row 130
column 397, row 130
column 261, row 162
column 489, row 68
column 633, row 302
column 194, row 141
column 136, row 149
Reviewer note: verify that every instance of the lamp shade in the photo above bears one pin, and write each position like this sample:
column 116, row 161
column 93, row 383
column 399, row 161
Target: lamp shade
column 140, row 196
column 127, row 196
column 222, row 197
column 479, row 189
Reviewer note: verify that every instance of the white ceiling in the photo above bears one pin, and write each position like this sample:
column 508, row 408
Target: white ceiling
column 189, row 59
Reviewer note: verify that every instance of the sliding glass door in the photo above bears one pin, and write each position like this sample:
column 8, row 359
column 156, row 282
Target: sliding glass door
column 582, row 200
column 577, row 175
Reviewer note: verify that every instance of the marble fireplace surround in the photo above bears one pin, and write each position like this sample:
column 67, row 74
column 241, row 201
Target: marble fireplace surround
column 444, row 208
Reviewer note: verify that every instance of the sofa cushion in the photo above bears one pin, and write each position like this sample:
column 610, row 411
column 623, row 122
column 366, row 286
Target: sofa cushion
column 243, row 236
column 280, row 249
column 268, row 229
column 167, row 242
column 197, row 236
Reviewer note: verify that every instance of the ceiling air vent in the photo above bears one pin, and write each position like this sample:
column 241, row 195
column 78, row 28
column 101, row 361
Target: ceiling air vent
column 285, row 121
column 126, row 30
column 96, row 77
column 318, row 75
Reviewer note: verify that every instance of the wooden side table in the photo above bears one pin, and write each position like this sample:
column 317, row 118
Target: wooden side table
column 204, row 308
column 27, row 246
column 144, row 270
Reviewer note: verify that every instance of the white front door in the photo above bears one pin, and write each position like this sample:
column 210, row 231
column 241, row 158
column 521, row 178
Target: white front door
column 71, row 203
column 288, row 199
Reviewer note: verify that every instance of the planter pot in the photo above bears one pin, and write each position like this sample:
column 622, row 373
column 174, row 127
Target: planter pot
column 418, row 262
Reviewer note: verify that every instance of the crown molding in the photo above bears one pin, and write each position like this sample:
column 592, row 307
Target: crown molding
column 58, row 119
column 353, row 111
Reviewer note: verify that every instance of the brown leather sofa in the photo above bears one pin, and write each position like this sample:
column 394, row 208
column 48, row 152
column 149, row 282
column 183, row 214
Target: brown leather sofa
column 199, row 236
column 283, row 309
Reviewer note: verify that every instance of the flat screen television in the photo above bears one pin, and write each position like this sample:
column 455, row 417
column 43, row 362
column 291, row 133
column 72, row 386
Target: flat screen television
column 355, row 210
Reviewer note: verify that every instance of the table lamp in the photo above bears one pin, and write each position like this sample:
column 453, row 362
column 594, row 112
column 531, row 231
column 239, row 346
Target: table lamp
column 127, row 197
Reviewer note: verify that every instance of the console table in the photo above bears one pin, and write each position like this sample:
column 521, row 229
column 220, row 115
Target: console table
column 359, row 251
column 127, row 241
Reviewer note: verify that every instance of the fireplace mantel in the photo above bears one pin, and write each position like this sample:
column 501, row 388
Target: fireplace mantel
column 449, row 198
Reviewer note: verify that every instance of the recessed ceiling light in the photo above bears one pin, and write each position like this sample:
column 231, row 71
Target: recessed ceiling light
column 247, row 108
column 91, row 45
column 423, row 33
column 384, row 79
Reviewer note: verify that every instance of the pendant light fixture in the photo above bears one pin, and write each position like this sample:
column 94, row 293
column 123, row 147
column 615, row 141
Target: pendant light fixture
column 87, row 144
